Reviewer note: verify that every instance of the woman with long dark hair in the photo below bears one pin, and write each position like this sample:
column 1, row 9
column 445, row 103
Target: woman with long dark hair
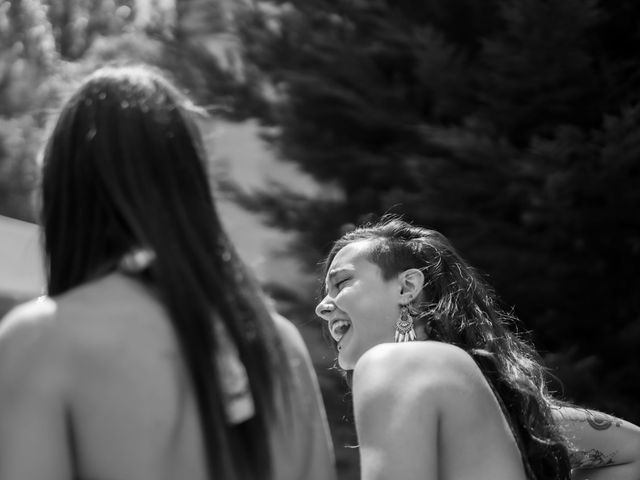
column 468, row 400
column 153, row 355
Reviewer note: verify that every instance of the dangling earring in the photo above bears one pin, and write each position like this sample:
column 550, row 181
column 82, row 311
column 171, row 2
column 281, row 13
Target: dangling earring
column 404, row 326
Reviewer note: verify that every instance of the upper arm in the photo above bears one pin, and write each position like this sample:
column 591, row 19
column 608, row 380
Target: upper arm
column 598, row 439
column 32, row 413
column 397, row 412
column 315, row 460
column 425, row 407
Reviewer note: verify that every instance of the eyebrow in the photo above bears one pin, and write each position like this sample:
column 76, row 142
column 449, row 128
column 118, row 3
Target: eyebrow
column 333, row 273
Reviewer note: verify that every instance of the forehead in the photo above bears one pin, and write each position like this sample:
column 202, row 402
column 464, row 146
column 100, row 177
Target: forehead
column 351, row 256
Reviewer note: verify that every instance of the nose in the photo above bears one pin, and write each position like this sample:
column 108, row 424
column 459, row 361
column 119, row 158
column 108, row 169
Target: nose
column 325, row 308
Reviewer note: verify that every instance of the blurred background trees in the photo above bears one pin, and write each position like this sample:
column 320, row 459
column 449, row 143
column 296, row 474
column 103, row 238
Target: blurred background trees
column 512, row 126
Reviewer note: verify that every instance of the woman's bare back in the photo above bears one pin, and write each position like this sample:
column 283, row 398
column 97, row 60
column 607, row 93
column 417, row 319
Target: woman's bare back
column 131, row 408
column 92, row 385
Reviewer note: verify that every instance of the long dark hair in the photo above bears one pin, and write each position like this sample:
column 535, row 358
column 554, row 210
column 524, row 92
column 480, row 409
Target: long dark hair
column 457, row 307
column 124, row 168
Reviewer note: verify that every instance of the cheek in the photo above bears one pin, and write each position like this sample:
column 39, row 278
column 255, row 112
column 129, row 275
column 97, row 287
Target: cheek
column 357, row 303
column 376, row 311
column 370, row 302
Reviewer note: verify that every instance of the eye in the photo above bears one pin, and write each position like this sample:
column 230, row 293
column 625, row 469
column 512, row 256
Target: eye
column 341, row 283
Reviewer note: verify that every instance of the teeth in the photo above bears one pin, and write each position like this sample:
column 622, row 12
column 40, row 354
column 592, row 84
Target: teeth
column 339, row 328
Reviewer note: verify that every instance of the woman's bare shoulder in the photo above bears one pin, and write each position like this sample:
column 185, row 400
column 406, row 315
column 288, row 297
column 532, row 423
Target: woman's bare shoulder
column 29, row 343
column 27, row 324
column 400, row 392
column 404, row 375
column 415, row 389
column 427, row 360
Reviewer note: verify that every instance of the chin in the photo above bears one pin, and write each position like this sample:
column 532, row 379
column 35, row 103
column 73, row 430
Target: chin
column 346, row 361
column 348, row 357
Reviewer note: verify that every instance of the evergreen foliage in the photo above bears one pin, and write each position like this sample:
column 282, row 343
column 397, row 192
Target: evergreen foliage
column 512, row 126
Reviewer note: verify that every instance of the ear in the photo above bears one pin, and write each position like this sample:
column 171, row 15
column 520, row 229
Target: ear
column 411, row 283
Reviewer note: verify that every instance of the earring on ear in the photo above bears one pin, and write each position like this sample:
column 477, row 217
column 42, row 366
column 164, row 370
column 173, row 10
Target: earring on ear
column 404, row 326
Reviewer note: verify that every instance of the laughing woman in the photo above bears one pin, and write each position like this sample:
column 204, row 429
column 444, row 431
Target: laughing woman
column 458, row 396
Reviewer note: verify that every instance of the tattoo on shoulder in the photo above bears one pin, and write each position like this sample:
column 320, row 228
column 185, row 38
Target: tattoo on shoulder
column 591, row 459
column 600, row 421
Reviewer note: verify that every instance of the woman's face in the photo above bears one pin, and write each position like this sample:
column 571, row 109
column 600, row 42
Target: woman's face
column 361, row 308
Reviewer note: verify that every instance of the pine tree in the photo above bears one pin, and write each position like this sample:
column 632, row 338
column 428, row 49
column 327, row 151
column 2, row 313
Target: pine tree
column 510, row 126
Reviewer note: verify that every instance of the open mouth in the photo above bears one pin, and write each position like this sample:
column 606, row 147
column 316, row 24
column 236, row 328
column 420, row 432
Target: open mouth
column 338, row 328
